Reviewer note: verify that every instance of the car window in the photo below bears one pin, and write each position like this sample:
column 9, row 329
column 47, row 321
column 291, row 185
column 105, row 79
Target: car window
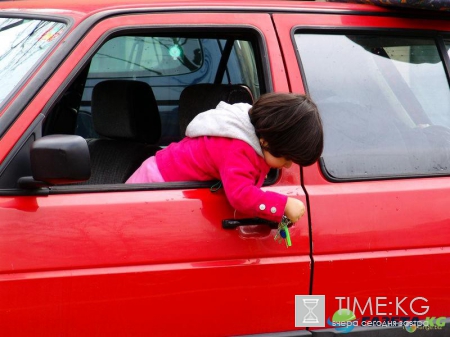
column 147, row 56
column 134, row 68
column 168, row 64
column 384, row 101
column 23, row 44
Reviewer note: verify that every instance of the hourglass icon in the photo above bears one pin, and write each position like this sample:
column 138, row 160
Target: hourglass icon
column 310, row 304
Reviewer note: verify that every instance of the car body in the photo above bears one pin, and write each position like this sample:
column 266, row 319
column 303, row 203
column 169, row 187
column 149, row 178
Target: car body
column 102, row 257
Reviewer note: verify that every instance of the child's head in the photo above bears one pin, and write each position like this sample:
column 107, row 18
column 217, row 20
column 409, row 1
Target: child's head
column 290, row 126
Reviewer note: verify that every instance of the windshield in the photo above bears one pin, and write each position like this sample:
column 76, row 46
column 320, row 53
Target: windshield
column 22, row 44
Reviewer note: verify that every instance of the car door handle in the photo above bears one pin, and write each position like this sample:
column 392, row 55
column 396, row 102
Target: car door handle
column 234, row 223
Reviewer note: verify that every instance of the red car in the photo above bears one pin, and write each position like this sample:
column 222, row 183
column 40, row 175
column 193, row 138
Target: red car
column 83, row 254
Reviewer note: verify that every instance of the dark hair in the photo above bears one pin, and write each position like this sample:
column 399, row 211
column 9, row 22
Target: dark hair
column 291, row 126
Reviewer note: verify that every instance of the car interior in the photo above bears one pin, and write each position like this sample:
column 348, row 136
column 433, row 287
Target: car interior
column 130, row 102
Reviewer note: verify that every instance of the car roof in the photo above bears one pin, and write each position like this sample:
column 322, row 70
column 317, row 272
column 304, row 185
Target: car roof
column 89, row 7
column 79, row 10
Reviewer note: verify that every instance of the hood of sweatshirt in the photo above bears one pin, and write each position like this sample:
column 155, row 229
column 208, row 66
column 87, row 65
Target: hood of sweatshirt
column 226, row 120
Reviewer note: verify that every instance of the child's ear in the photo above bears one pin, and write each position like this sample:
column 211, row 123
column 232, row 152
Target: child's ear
column 262, row 142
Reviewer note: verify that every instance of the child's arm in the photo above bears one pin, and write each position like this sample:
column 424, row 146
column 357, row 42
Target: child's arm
column 242, row 177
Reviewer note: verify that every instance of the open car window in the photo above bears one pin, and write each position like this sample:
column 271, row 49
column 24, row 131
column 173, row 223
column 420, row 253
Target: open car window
column 168, row 64
column 151, row 71
column 384, row 101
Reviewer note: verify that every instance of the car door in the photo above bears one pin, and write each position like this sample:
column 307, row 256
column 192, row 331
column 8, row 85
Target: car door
column 378, row 198
column 121, row 260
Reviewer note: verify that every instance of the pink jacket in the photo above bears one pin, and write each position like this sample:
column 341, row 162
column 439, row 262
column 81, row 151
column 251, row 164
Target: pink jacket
column 233, row 161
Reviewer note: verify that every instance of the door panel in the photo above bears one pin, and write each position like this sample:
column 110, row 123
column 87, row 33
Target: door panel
column 385, row 238
column 148, row 262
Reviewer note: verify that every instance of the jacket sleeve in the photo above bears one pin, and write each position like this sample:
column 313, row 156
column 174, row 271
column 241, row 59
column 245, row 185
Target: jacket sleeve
column 240, row 173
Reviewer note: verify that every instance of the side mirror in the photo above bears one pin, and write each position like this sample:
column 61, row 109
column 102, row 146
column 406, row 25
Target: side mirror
column 58, row 160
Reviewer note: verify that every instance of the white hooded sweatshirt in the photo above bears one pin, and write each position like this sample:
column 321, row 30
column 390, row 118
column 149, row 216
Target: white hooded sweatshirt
column 226, row 120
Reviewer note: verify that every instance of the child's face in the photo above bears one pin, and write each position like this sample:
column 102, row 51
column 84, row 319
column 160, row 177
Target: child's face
column 276, row 162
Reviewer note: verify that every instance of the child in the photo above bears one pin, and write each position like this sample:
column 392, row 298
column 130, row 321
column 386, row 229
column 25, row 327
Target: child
column 238, row 144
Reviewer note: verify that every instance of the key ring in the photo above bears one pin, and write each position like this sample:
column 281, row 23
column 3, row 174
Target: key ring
column 283, row 231
column 286, row 221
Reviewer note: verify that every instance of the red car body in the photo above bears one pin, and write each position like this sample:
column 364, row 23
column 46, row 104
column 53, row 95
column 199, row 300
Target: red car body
column 112, row 260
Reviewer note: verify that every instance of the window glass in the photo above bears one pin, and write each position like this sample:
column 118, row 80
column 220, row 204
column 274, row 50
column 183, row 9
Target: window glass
column 247, row 65
column 152, row 56
column 385, row 104
column 242, row 57
column 23, row 43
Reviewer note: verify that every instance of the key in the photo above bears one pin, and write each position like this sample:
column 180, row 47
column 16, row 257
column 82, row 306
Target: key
column 283, row 232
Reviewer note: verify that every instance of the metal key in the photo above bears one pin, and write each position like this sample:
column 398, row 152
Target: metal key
column 283, row 231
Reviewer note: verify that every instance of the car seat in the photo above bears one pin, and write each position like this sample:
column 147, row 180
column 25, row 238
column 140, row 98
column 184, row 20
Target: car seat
column 198, row 98
column 125, row 115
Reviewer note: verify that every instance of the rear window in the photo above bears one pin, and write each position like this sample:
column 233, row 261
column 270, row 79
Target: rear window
column 147, row 56
column 385, row 103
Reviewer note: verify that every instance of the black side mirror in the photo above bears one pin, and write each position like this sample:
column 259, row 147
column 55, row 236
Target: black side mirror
column 58, row 160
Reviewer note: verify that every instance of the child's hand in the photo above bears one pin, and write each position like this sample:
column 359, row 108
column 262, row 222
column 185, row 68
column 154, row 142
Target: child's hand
column 294, row 209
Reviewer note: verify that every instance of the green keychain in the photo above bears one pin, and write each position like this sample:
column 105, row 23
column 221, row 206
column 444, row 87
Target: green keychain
column 283, row 231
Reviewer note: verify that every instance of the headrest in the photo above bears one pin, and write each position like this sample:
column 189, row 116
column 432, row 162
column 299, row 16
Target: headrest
column 198, row 98
column 127, row 110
